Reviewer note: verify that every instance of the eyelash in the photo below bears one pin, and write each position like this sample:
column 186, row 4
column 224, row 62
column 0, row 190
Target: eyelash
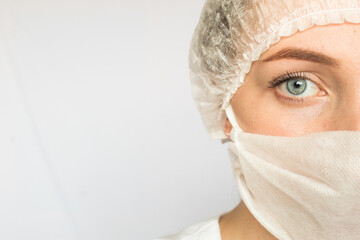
column 276, row 81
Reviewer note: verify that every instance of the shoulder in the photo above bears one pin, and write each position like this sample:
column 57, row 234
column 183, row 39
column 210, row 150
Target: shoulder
column 205, row 230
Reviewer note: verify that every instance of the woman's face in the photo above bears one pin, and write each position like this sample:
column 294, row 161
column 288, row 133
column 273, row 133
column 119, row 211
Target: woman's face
column 308, row 82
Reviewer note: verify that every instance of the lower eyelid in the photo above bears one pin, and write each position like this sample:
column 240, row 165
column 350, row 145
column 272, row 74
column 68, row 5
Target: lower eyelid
column 301, row 100
column 291, row 99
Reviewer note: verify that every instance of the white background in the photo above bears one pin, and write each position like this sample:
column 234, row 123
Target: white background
column 100, row 138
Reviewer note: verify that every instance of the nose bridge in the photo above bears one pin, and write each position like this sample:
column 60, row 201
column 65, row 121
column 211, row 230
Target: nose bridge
column 353, row 123
column 349, row 118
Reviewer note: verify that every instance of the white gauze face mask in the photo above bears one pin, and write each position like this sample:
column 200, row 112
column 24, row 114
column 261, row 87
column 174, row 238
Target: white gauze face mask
column 305, row 187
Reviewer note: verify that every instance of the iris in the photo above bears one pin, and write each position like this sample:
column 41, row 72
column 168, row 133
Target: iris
column 296, row 86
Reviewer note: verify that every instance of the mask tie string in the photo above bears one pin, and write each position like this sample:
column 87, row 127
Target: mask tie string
column 231, row 116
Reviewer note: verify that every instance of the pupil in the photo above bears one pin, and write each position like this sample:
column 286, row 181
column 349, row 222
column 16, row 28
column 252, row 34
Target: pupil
column 297, row 84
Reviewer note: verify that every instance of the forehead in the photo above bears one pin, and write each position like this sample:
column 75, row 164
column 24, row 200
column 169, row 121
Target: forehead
column 340, row 41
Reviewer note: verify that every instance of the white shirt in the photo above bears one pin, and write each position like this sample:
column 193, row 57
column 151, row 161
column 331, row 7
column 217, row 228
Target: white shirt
column 205, row 230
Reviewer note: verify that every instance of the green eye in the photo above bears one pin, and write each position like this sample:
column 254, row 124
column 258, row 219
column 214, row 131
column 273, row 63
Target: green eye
column 299, row 87
column 296, row 86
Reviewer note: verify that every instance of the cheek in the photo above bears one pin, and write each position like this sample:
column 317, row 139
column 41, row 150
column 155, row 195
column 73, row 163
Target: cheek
column 264, row 114
column 301, row 121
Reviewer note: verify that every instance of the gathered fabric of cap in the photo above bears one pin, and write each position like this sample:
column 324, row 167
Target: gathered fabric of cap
column 231, row 34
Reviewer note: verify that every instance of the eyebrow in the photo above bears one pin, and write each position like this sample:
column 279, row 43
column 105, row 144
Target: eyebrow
column 303, row 54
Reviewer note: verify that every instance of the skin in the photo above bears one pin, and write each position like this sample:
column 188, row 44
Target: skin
column 332, row 104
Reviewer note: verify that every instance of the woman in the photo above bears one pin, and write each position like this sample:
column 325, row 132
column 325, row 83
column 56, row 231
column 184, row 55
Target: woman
column 280, row 81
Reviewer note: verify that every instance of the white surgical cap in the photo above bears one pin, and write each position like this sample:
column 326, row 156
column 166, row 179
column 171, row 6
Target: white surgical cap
column 233, row 33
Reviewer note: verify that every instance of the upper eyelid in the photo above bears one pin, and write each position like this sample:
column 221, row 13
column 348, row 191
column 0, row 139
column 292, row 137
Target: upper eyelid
column 291, row 75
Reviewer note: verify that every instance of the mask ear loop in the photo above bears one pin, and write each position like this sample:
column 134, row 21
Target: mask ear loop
column 231, row 116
